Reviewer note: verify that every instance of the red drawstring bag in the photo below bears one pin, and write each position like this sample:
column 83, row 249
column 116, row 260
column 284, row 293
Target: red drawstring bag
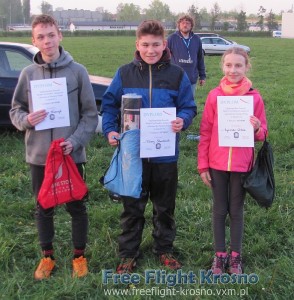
column 62, row 181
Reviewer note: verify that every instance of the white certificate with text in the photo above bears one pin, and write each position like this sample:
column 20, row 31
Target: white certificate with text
column 234, row 127
column 51, row 95
column 156, row 136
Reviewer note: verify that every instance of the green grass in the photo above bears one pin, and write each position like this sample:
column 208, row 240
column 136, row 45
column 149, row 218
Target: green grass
column 268, row 238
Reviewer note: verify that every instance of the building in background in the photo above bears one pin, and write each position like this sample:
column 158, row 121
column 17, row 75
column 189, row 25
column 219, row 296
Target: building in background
column 288, row 25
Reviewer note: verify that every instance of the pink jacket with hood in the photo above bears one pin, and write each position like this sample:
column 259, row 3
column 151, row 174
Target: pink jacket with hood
column 233, row 159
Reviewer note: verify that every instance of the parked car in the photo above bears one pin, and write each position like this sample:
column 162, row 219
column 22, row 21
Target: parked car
column 277, row 33
column 13, row 58
column 204, row 34
column 218, row 45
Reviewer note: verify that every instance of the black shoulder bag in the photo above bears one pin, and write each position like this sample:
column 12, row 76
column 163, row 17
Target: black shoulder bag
column 260, row 182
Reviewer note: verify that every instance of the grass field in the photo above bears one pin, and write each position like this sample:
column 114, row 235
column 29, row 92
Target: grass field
column 268, row 239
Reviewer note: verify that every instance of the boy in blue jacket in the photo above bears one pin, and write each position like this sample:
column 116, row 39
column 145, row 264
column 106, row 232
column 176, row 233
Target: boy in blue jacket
column 161, row 84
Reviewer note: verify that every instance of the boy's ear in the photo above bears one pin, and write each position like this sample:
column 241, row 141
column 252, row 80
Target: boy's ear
column 165, row 43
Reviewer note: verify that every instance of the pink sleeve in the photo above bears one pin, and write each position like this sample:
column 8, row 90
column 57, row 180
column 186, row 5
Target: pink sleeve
column 206, row 126
column 259, row 112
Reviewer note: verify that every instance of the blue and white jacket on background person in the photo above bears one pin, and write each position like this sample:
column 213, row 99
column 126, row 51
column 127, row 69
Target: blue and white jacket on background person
column 161, row 85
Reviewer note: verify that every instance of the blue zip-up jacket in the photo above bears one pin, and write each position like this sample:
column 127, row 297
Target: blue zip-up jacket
column 161, row 85
column 188, row 55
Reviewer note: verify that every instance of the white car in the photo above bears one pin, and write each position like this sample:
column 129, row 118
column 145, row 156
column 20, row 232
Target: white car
column 215, row 45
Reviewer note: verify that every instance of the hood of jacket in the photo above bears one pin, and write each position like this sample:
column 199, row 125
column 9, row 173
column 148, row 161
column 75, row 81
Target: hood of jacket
column 63, row 60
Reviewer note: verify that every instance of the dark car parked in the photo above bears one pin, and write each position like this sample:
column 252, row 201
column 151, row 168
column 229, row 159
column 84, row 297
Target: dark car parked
column 13, row 58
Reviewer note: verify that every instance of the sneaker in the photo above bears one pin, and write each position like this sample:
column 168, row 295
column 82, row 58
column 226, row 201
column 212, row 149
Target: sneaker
column 45, row 268
column 235, row 265
column 114, row 197
column 126, row 265
column 79, row 267
column 219, row 265
column 168, row 260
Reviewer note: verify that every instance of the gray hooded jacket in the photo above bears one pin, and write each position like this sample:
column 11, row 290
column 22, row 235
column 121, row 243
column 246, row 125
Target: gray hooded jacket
column 82, row 108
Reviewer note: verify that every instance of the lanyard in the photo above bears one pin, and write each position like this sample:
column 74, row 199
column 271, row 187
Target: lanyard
column 187, row 44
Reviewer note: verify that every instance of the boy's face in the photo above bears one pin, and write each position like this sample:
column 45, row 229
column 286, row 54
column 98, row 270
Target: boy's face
column 151, row 48
column 46, row 37
column 185, row 26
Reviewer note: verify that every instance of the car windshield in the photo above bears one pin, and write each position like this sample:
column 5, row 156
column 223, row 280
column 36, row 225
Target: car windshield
column 220, row 41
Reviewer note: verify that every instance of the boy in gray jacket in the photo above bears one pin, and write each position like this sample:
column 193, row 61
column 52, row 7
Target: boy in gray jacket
column 53, row 62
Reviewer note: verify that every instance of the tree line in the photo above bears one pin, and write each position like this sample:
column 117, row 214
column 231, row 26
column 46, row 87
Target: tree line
column 19, row 12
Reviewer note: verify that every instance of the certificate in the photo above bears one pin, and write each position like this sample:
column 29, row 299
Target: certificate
column 234, row 127
column 51, row 95
column 156, row 136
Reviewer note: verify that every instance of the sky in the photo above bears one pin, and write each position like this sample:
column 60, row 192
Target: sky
column 176, row 6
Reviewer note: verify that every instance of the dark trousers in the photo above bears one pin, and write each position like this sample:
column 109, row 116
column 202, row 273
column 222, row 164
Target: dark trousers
column 45, row 217
column 160, row 185
column 228, row 198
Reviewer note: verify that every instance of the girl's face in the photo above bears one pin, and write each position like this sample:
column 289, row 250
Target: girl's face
column 234, row 67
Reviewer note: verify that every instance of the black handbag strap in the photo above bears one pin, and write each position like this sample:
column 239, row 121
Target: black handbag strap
column 252, row 159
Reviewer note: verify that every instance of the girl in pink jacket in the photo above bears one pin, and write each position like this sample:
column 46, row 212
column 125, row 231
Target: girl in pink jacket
column 221, row 168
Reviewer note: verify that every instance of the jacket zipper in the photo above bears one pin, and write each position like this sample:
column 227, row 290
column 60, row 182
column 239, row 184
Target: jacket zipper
column 51, row 76
column 150, row 86
column 150, row 91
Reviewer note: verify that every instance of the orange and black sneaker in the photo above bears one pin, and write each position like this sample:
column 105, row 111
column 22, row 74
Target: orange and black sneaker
column 79, row 267
column 45, row 268
column 168, row 260
column 126, row 265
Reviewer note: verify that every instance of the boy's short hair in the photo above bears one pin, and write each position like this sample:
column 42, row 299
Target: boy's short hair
column 44, row 19
column 153, row 27
column 187, row 18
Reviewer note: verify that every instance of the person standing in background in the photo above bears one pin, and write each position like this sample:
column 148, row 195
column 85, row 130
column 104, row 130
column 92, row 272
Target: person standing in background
column 186, row 51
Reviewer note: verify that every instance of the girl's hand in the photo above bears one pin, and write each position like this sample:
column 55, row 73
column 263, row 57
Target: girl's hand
column 255, row 122
column 205, row 176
